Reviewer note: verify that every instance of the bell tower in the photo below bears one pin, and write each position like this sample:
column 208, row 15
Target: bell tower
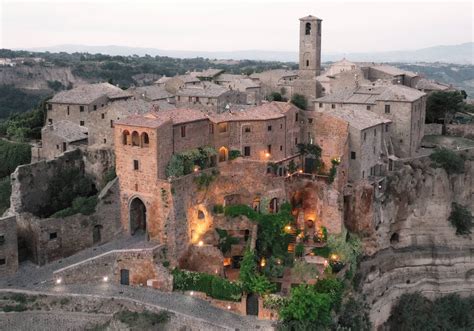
column 310, row 47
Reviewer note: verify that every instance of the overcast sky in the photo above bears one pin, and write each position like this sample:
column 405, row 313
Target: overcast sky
column 226, row 25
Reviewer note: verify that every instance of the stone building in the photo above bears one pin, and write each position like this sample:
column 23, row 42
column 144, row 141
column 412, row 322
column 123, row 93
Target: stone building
column 404, row 106
column 243, row 84
column 278, row 80
column 78, row 104
column 368, row 138
column 209, row 97
column 152, row 93
column 8, row 246
column 60, row 137
column 390, row 74
column 172, row 84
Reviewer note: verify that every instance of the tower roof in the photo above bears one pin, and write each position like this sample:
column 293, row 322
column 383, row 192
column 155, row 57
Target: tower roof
column 310, row 18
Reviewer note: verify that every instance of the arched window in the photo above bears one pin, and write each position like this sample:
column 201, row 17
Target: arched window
column 308, row 29
column 125, row 137
column 307, row 63
column 135, row 139
column 145, row 139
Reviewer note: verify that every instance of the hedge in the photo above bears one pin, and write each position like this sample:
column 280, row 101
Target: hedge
column 214, row 286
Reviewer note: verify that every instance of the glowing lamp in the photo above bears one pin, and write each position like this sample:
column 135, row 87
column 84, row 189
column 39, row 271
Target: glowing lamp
column 200, row 243
column 263, row 262
column 267, row 154
column 192, row 293
column 300, row 171
column 59, row 281
column 196, row 169
column 105, row 279
column 228, row 307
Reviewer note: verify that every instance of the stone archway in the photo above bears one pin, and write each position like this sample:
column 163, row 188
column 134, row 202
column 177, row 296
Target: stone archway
column 223, row 154
column 137, row 216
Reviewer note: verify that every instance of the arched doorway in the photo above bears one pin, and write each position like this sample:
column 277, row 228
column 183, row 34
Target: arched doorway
column 223, row 154
column 137, row 216
column 273, row 208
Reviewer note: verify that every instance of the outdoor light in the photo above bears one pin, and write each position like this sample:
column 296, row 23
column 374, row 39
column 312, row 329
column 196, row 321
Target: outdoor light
column 196, row 169
column 200, row 243
column 58, row 281
column 300, row 171
column 192, row 293
column 263, row 262
column 333, row 257
column 326, row 263
column 105, row 279
column 267, row 154
column 228, row 307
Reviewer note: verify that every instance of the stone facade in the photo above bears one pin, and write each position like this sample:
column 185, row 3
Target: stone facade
column 8, row 246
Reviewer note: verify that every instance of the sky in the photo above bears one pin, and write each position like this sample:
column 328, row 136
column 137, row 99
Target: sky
column 227, row 25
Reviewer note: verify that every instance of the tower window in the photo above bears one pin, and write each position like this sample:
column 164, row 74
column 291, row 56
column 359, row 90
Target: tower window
column 183, row 131
column 353, row 155
column 387, row 109
column 307, row 29
column 135, row 165
column 307, row 63
column 269, row 128
column 247, row 151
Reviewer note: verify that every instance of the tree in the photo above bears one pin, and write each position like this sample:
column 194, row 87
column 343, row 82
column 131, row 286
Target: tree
column 443, row 105
column 448, row 160
column 299, row 101
column 305, row 304
column 275, row 96
column 461, row 219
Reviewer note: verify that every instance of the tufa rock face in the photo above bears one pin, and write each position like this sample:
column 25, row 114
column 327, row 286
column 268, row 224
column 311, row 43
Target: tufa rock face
column 414, row 247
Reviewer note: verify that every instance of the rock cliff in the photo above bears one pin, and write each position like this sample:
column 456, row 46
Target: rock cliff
column 413, row 246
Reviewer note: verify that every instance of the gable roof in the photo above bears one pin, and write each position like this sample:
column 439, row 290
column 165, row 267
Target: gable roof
column 155, row 119
column 152, row 92
column 266, row 111
column 205, row 90
column 86, row 94
column 359, row 119
column 67, row 130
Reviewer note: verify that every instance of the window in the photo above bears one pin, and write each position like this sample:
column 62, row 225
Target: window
column 81, row 108
column 57, row 146
column 375, row 132
column 247, row 129
column 269, row 149
column 296, row 117
column 310, row 120
column 2, row 261
column 2, row 239
column 307, row 29
column 135, row 139
column 105, row 141
column 320, row 105
column 247, row 151
column 211, row 128
column 296, row 141
column 387, row 109
column 135, row 165
column 281, row 126
column 333, row 106
column 363, row 174
column 64, row 146
column 95, row 107
column 374, row 149
column 365, row 135
column 197, row 99
column 81, row 123
column 50, row 121
column 183, row 131
column 102, row 116
column 125, row 137
column 307, row 63
column 269, row 128
column 281, row 147
column 53, row 235
column 50, row 106
column 68, row 110
column 145, row 139
column 111, row 123
column 222, row 127
column 368, row 107
column 353, row 155
column 386, row 127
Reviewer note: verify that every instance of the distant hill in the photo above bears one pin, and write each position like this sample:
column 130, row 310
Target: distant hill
column 459, row 54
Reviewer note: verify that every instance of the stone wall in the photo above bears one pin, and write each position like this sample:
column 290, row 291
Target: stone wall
column 8, row 246
column 460, row 130
column 433, row 129
column 50, row 239
column 414, row 247
column 143, row 264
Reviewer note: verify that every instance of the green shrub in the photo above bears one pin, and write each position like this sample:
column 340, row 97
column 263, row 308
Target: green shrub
column 322, row 251
column 16, row 308
column 334, row 288
column 354, row 316
column 305, row 304
column 275, row 96
column 274, row 301
column 203, row 180
column 214, row 286
column 461, row 219
column 5, row 192
column 273, row 269
column 144, row 320
column 80, row 205
column 234, row 153
column 109, row 175
column 299, row 250
column 238, row 210
column 12, row 155
column 184, row 163
column 225, row 241
column 218, row 209
column 299, row 101
column 448, row 160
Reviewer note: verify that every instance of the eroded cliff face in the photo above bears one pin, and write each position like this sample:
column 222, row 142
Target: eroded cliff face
column 413, row 246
